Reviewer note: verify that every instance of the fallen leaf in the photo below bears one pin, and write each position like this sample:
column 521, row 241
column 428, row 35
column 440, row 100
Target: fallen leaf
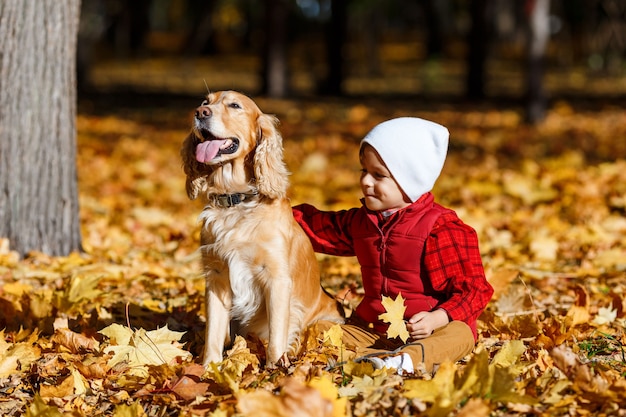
column 63, row 389
column 140, row 348
column 605, row 315
column 579, row 312
column 74, row 342
column 334, row 336
column 328, row 389
column 17, row 356
column 132, row 410
column 295, row 400
column 38, row 408
column 188, row 388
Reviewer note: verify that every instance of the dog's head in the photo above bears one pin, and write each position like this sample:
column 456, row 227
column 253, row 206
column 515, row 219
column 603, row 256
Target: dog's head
column 232, row 146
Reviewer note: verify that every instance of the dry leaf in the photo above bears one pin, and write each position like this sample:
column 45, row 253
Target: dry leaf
column 74, row 342
column 605, row 315
column 17, row 356
column 579, row 312
column 295, row 400
column 140, row 348
column 334, row 336
column 395, row 317
column 38, row 408
column 63, row 389
column 132, row 410
column 188, row 388
column 329, row 391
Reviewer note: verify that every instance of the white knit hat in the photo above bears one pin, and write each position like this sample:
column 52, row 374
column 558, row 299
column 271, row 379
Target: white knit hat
column 413, row 150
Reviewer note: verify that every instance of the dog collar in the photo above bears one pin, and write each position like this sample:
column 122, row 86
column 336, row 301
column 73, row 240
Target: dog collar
column 230, row 200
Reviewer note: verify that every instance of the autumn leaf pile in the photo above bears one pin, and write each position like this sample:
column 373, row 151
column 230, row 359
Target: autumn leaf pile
column 117, row 330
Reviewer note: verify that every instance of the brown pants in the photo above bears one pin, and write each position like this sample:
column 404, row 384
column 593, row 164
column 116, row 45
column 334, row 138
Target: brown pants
column 449, row 343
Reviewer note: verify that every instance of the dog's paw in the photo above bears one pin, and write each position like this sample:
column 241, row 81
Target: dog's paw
column 282, row 362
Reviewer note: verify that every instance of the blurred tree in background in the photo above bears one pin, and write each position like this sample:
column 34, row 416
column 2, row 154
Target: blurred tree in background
column 347, row 47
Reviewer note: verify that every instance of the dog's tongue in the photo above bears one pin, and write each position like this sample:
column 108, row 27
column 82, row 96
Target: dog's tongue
column 206, row 151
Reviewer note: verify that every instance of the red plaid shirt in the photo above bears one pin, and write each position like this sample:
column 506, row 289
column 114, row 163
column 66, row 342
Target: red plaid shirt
column 451, row 262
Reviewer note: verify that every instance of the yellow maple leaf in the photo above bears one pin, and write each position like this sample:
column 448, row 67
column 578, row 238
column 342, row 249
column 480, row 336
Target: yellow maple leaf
column 479, row 378
column 395, row 317
column 39, row 408
column 238, row 360
column 139, row 348
column 133, row 410
column 16, row 357
column 334, row 336
column 329, row 391
column 294, row 399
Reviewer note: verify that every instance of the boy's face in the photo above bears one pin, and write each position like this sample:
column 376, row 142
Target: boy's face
column 380, row 189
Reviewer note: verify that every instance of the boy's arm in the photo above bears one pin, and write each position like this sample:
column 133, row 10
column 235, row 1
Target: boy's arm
column 452, row 260
column 328, row 231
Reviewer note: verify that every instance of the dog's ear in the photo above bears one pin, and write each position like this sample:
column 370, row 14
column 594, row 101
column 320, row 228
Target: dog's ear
column 196, row 176
column 269, row 168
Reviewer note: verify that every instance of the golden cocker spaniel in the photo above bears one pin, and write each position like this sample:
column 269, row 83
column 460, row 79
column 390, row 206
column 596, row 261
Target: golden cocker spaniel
column 262, row 276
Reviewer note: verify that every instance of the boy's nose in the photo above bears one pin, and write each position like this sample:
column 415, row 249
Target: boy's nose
column 366, row 180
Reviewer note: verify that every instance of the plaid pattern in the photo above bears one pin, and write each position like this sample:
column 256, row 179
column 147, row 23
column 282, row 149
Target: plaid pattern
column 451, row 259
column 454, row 267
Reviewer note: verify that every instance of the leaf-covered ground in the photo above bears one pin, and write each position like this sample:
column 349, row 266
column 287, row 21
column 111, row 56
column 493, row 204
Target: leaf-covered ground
column 86, row 334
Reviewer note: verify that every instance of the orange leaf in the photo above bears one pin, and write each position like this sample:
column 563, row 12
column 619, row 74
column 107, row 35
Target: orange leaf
column 188, row 388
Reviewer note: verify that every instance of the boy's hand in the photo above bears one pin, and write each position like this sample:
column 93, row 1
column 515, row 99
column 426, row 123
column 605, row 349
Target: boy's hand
column 424, row 323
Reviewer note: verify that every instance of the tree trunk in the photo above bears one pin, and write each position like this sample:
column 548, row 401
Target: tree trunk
column 479, row 37
column 538, row 34
column 335, row 39
column 434, row 38
column 38, row 183
column 275, row 63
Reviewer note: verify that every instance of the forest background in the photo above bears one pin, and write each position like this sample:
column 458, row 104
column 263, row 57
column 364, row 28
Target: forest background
column 547, row 199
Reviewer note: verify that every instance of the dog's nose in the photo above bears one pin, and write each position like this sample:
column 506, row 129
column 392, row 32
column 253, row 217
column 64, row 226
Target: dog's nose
column 203, row 112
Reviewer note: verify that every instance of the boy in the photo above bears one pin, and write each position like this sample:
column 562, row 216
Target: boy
column 406, row 243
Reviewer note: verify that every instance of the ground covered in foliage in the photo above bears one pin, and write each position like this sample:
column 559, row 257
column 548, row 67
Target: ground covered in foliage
column 117, row 330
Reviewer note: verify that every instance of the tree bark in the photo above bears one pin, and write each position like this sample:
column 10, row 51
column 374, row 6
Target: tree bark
column 478, row 40
column 38, row 179
column 538, row 35
column 335, row 39
column 275, row 62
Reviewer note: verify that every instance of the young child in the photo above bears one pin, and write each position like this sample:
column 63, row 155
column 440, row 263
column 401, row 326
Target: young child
column 406, row 243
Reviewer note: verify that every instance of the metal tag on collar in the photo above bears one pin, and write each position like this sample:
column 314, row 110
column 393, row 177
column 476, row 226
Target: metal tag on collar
column 229, row 200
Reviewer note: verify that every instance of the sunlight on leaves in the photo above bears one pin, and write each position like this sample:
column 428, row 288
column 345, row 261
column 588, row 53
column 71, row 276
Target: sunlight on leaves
column 133, row 410
column 547, row 203
column 450, row 386
column 139, row 348
column 74, row 342
column 329, row 391
column 295, row 399
column 238, row 359
column 17, row 356
column 579, row 312
column 605, row 315
column 38, row 408
column 334, row 336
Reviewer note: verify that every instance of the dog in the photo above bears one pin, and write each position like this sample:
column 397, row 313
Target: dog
column 262, row 276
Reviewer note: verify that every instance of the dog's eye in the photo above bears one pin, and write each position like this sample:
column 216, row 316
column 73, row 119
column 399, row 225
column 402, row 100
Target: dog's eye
column 234, row 106
column 205, row 103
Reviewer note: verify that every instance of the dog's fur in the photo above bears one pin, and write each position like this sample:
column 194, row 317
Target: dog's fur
column 262, row 276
